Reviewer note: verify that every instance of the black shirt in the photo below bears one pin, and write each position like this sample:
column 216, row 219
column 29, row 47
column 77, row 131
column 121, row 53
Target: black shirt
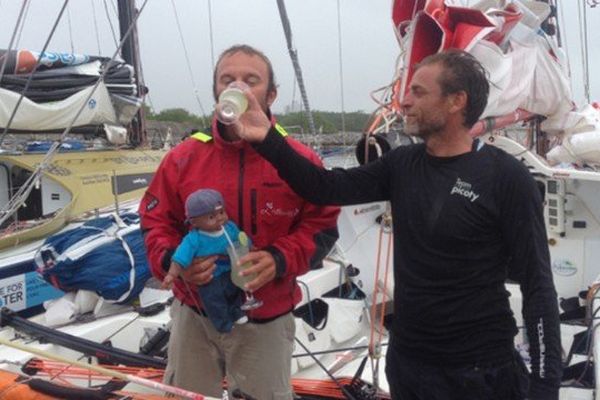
column 458, row 224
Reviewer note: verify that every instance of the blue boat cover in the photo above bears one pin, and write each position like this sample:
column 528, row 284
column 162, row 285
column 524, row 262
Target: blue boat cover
column 104, row 255
column 44, row 146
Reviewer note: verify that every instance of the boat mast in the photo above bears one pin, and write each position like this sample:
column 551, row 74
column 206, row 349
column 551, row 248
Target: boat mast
column 296, row 64
column 130, row 53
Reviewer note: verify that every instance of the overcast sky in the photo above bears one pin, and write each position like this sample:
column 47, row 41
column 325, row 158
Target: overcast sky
column 369, row 47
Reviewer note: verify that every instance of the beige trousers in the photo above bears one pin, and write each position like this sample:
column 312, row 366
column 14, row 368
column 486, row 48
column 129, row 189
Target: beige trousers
column 255, row 358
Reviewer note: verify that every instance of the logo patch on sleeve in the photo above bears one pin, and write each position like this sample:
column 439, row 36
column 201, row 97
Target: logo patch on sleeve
column 152, row 203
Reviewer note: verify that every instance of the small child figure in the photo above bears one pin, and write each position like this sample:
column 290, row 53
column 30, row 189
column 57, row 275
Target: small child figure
column 221, row 299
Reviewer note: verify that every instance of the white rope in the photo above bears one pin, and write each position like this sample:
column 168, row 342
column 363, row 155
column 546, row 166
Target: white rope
column 114, row 8
column 341, row 63
column 188, row 63
column 112, row 29
column 22, row 25
column 210, row 32
column 293, row 94
column 587, row 58
column 96, row 27
column 70, row 30
column 131, row 271
column 565, row 38
column 583, row 40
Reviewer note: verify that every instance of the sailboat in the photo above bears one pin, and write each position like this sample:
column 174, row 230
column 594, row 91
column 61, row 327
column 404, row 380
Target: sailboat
column 88, row 156
column 340, row 323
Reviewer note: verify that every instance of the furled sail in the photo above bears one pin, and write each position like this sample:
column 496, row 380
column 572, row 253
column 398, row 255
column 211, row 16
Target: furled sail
column 527, row 70
column 58, row 88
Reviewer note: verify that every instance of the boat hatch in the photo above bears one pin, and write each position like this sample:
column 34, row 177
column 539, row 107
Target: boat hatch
column 43, row 201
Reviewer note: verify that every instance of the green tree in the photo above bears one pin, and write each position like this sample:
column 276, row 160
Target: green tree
column 178, row 115
column 329, row 122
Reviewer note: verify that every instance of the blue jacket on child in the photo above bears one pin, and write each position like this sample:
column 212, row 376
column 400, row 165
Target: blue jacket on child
column 221, row 299
column 199, row 243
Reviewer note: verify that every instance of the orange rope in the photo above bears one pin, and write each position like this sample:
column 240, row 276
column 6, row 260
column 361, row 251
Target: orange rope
column 69, row 371
column 375, row 122
column 326, row 388
column 316, row 387
column 385, row 279
column 375, row 294
column 377, row 290
column 396, row 106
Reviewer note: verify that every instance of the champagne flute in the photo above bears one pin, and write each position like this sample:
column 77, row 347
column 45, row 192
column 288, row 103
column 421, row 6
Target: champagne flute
column 237, row 250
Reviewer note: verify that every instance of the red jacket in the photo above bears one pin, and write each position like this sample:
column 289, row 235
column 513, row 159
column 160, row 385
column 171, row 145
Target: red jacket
column 298, row 234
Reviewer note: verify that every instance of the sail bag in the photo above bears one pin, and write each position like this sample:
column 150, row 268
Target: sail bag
column 105, row 255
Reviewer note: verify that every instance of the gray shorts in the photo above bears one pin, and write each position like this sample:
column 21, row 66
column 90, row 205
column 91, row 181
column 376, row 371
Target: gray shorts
column 255, row 358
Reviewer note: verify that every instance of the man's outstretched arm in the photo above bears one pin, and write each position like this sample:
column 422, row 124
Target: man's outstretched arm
column 312, row 182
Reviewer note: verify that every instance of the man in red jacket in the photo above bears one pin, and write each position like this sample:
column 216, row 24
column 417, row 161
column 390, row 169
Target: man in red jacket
column 290, row 237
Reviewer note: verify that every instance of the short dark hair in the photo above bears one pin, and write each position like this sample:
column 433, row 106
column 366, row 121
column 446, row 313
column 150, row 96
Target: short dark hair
column 462, row 72
column 251, row 51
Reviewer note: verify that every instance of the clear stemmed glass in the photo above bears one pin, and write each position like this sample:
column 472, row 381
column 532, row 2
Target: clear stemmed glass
column 237, row 250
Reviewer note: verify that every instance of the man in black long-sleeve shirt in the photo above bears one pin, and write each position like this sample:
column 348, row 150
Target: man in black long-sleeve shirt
column 462, row 212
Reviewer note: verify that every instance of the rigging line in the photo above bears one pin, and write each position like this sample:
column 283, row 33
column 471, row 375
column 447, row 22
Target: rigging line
column 150, row 102
column 558, row 36
column 141, row 86
column 587, row 59
column 121, row 328
column 339, row 26
column 18, row 199
column 294, row 56
column 114, row 8
column 293, row 94
column 70, row 30
column 382, row 315
column 12, row 39
column 112, row 28
column 96, row 27
column 188, row 63
column 210, row 32
column 564, row 37
column 56, row 375
column 333, row 351
column 32, row 73
column 580, row 4
column 320, row 364
column 22, row 26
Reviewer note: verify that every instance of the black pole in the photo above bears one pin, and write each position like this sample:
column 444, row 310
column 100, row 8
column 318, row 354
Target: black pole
column 130, row 54
column 126, row 11
column 287, row 30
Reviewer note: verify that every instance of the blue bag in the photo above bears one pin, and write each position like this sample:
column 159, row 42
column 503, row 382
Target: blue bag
column 104, row 255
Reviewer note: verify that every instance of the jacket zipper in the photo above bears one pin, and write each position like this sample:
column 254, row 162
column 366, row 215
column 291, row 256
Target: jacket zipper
column 253, row 223
column 241, row 192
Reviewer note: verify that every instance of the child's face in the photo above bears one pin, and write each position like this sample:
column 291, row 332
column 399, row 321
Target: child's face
column 210, row 222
